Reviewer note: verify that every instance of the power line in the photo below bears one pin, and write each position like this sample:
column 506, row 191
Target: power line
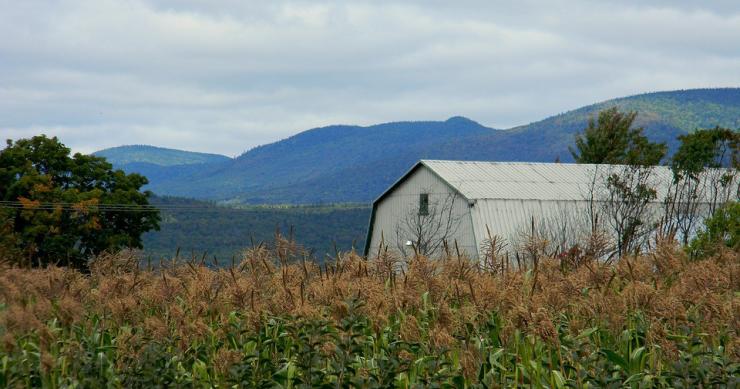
column 52, row 206
column 55, row 203
column 152, row 209
column 32, row 205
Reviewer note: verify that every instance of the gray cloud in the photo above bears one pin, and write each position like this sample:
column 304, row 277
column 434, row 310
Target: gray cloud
column 225, row 77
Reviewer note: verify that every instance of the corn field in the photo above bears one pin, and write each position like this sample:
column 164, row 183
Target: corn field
column 275, row 319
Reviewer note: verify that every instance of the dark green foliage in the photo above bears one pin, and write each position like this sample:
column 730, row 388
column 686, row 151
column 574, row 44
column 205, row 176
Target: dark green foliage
column 706, row 148
column 223, row 232
column 612, row 139
column 722, row 229
column 52, row 210
column 705, row 168
column 629, row 194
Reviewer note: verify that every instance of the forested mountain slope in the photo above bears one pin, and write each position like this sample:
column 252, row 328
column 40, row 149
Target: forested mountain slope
column 123, row 155
column 355, row 164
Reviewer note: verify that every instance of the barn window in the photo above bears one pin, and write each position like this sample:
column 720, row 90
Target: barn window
column 423, row 204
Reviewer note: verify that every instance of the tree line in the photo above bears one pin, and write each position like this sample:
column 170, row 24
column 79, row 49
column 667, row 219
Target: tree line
column 703, row 183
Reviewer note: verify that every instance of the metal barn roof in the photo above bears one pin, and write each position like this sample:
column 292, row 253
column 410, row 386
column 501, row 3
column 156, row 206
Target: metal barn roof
column 507, row 194
column 524, row 180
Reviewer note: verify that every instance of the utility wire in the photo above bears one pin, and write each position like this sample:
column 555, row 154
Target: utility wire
column 51, row 206
column 4, row 202
column 116, row 207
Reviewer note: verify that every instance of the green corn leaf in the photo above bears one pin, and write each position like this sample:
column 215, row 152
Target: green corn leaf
column 557, row 379
column 615, row 359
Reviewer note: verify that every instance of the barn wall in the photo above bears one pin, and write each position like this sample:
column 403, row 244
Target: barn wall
column 507, row 198
column 404, row 200
column 556, row 220
column 511, row 219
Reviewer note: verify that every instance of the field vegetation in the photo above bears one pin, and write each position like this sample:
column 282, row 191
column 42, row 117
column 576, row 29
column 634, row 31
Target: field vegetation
column 274, row 319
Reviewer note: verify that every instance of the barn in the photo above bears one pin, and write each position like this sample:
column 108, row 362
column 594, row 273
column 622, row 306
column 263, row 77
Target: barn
column 464, row 203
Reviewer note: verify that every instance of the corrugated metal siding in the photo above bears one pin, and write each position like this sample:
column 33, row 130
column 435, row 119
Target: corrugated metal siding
column 528, row 181
column 405, row 198
column 506, row 196
column 512, row 218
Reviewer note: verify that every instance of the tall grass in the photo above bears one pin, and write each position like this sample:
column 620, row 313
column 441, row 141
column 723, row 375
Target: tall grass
column 276, row 319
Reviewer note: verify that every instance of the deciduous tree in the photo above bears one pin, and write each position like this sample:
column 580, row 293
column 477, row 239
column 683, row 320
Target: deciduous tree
column 622, row 194
column 59, row 208
column 705, row 170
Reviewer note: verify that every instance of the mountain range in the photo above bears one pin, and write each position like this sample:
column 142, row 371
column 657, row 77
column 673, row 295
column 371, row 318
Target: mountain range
column 345, row 163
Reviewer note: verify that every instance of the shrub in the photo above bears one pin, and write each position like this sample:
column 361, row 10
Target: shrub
column 722, row 229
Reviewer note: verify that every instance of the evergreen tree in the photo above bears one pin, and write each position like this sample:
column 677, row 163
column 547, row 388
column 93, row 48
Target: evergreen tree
column 707, row 148
column 611, row 139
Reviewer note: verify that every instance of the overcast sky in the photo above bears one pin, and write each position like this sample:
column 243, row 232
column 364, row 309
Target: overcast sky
column 223, row 78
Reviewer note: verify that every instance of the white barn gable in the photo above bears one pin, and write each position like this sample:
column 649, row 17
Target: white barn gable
column 505, row 198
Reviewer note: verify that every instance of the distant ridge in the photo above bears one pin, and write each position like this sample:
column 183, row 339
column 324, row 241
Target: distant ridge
column 123, row 155
column 346, row 163
column 686, row 109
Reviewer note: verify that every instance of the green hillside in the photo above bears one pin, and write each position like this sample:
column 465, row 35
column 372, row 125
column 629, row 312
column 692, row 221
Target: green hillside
column 124, row 155
column 685, row 110
column 355, row 164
